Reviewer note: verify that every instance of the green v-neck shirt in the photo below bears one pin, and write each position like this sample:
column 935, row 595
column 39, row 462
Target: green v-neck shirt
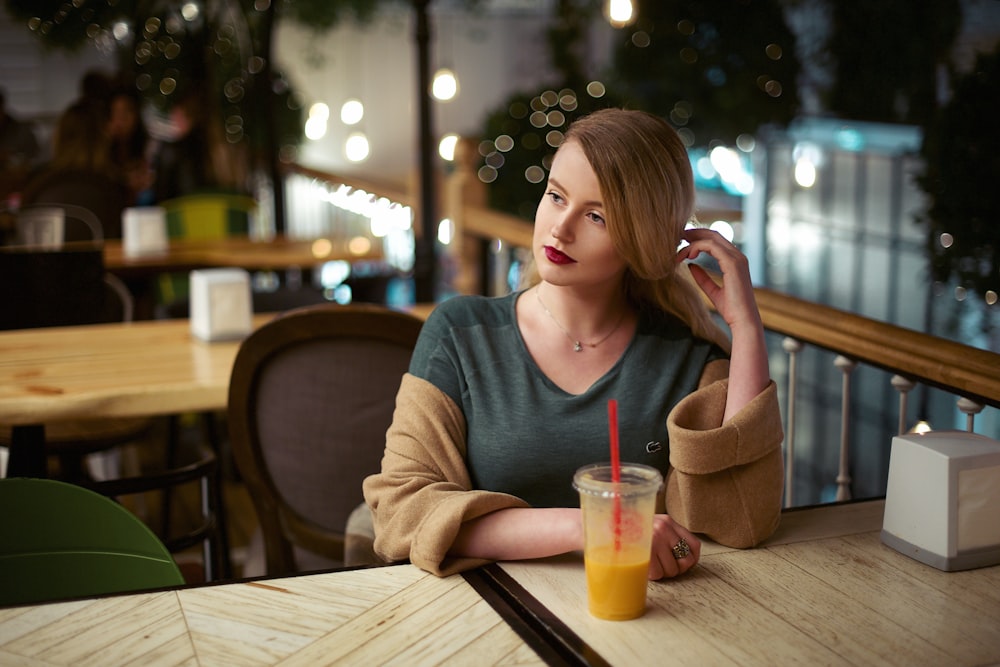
column 527, row 436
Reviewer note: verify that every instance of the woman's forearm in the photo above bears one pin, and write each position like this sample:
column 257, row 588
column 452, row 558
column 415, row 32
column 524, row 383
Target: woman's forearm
column 748, row 368
column 520, row 533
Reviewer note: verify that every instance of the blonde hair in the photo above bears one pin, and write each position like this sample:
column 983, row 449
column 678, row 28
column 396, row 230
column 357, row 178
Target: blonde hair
column 80, row 140
column 648, row 193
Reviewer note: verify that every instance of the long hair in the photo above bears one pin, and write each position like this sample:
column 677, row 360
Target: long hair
column 648, row 193
column 81, row 141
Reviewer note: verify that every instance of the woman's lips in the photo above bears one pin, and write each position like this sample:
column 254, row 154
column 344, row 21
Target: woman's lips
column 557, row 256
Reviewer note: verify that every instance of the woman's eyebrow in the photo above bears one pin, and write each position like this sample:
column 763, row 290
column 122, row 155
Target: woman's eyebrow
column 594, row 202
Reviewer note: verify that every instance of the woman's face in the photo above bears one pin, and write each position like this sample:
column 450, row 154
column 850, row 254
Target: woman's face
column 571, row 244
column 123, row 117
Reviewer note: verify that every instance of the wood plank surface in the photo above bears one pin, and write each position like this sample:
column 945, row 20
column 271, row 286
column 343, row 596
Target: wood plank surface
column 393, row 615
column 112, row 370
column 822, row 590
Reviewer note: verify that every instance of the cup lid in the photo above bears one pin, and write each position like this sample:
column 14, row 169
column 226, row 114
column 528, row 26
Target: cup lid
column 635, row 479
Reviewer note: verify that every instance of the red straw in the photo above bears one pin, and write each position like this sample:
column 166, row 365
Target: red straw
column 616, row 468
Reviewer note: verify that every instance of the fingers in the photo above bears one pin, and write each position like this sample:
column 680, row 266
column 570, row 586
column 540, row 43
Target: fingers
column 705, row 281
column 669, row 557
column 708, row 241
column 733, row 296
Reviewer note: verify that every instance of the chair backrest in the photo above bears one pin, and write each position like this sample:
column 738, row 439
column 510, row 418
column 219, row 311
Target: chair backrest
column 74, row 223
column 209, row 215
column 310, row 399
column 60, row 541
column 47, row 288
column 98, row 193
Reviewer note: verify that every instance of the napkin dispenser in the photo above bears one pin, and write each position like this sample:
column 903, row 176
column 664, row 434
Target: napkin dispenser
column 221, row 304
column 144, row 231
column 43, row 226
column 942, row 504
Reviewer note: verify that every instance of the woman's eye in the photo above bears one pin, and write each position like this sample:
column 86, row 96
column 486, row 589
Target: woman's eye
column 596, row 217
column 554, row 196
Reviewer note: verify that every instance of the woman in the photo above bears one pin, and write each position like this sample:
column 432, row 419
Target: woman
column 506, row 397
column 81, row 172
column 129, row 143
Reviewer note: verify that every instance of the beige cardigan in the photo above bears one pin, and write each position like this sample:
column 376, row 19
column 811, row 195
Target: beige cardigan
column 724, row 481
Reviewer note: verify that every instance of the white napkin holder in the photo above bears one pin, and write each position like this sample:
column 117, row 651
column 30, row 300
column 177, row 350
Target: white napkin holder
column 221, row 304
column 144, row 231
column 942, row 504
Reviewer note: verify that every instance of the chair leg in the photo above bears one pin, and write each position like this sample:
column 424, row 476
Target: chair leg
column 173, row 440
column 209, row 548
column 221, row 537
column 71, row 468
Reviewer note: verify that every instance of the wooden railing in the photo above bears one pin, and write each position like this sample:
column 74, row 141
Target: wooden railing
column 912, row 358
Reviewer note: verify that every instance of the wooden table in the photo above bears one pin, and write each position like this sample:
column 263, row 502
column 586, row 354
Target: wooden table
column 279, row 254
column 823, row 590
column 109, row 370
column 242, row 252
column 391, row 615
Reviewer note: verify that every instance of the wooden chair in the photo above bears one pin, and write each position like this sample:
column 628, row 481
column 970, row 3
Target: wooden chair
column 311, row 397
column 60, row 541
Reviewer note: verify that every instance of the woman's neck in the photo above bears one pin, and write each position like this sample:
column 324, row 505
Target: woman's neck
column 584, row 314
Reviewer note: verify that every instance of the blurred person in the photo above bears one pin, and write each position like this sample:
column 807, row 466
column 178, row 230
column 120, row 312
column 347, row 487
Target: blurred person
column 195, row 157
column 506, row 397
column 19, row 147
column 19, row 152
column 95, row 89
column 80, row 171
column 129, row 144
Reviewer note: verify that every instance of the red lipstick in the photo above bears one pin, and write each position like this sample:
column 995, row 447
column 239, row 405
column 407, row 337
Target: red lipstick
column 557, row 256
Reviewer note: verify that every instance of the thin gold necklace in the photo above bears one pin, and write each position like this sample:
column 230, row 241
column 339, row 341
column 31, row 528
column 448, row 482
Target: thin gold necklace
column 577, row 344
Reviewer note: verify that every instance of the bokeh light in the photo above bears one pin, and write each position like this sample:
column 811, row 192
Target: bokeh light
column 357, row 148
column 351, row 112
column 445, row 85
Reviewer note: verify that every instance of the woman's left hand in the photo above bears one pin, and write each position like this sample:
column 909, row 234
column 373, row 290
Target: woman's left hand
column 734, row 298
column 675, row 549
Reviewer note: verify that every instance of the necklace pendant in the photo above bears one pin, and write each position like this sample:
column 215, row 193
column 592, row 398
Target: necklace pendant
column 577, row 347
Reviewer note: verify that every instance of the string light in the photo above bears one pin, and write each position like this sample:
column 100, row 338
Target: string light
column 446, row 147
column 619, row 12
column 445, row 85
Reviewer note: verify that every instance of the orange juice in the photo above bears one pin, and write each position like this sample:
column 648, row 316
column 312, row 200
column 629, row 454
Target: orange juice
column 617, row 534
column 616, row 581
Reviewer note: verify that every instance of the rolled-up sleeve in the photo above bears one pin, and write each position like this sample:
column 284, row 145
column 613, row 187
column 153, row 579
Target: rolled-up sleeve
column 423, row 494
column 726, row 479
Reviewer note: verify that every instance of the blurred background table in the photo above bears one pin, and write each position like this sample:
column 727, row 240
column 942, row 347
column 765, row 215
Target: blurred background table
column 234, row 251
column 155, row 280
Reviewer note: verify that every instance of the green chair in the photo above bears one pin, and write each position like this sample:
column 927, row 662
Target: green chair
column 203, row 216
column 60, row 541
column 209, row 215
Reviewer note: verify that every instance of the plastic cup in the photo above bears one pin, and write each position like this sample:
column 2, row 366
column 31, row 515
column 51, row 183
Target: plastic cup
column 617, row 536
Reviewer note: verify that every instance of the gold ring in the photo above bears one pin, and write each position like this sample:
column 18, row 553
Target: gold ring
column 681, row 550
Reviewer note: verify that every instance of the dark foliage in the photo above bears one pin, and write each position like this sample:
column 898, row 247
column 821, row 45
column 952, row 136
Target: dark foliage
column 715, row 68
column 962, row 152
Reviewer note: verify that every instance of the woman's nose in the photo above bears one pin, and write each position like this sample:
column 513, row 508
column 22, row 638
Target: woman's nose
column 562, row 228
